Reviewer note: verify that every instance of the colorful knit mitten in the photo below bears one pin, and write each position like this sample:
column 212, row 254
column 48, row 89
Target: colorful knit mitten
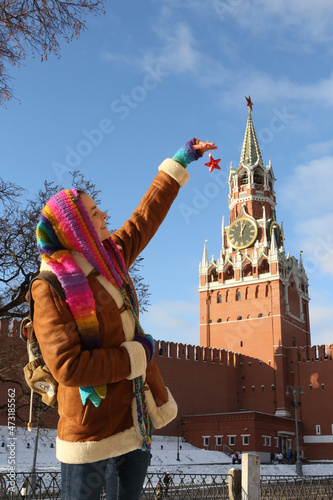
column 187, row 154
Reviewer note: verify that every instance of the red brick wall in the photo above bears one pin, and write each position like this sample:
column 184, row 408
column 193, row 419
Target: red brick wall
column 201, row 380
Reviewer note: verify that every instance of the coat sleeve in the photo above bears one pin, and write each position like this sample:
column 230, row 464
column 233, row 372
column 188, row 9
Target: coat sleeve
column 62, row 351
column 138, row 230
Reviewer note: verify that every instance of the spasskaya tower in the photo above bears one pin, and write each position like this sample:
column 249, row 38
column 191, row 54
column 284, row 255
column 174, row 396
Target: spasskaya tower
column 254, row 297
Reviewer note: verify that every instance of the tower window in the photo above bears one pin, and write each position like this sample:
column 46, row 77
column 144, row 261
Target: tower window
column 219, row 320
column 219, row 298
column 264, row 267
column 213, row 275
column 238, row 295
column 247, row 270
column 244, row 179
column 239, row 318
column 257, row 178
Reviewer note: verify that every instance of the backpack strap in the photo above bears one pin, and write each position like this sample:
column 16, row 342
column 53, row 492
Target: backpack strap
column 52, row 280
column 36, row 373
column 26, row 327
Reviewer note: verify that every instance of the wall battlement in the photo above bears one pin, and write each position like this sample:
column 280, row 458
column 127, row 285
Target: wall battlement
column 195, row 353
column 315, row 353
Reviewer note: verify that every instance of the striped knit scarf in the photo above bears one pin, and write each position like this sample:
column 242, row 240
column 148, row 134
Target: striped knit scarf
column 65, row 226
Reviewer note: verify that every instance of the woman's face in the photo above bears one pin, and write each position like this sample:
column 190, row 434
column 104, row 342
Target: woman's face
column 97, row 217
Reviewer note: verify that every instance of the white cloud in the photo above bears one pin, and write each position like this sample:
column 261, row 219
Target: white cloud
column 321, row 323
column 272, row 89
column 308, row 189
column 310, row 21
column 177, row 53
column 321, row 148
column 308, row 195
column 315, row 237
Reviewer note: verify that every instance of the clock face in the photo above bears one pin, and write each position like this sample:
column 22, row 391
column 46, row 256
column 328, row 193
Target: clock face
column 242, row 233
column 275, row 228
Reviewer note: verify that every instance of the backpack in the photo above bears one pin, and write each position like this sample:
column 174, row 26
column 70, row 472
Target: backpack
column 36, row 373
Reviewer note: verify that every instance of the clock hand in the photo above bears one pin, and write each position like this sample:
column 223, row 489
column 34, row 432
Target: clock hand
column 242, row 228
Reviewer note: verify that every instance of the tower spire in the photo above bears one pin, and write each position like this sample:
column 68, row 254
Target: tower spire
column 205, row 261
column 301, row 266
column 250, row 154
column 222, row 233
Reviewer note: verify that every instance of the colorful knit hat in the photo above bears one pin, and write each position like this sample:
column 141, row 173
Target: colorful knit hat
column 65, row 226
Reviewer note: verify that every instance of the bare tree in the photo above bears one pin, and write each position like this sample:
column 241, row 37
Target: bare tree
column 39, row 25
column 19, row 256
column 9, row 193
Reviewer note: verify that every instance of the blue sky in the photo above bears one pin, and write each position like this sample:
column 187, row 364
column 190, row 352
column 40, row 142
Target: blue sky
column 147, row 77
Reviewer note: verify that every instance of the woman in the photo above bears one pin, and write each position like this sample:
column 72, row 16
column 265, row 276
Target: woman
column 110, row 391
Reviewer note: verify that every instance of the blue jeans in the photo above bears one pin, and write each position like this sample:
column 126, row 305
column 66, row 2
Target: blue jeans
column 124, row 477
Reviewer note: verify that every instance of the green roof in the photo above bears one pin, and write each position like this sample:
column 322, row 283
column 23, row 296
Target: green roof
column 250, row 154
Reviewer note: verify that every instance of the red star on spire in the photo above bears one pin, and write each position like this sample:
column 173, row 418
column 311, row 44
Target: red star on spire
column 213, row 163
column 249, row 103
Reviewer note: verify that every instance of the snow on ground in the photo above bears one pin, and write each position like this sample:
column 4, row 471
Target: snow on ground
column 164, row 456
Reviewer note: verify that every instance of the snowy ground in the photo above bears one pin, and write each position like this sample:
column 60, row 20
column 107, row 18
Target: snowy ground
column 164, row 456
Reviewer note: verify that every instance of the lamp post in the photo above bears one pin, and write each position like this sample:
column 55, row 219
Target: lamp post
column 32, row 485
column 294, row 389
column 178, row 424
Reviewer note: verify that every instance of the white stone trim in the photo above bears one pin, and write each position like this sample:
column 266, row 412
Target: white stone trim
column 318, row 439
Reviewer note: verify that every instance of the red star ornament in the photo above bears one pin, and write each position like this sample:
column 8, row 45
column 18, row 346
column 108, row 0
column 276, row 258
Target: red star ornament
column 213, row 163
